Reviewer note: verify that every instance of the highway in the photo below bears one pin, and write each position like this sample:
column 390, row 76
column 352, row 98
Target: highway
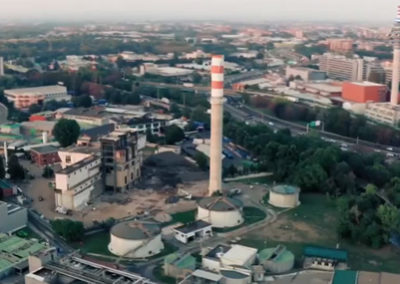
column 247, row 114
column 3, row 113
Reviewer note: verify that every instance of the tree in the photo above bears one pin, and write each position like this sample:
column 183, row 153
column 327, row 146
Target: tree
column 82, row 101
column 66, row 132
column 70, row 230
column 35, row 108
column 201, row 160
column 15, row 169
column 175, row 110
column 390, row 219
column 48, row 172
column 2, row 169
column 174, row 134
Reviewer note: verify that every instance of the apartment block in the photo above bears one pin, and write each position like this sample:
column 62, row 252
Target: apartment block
column 121, row 159
column 342, row 68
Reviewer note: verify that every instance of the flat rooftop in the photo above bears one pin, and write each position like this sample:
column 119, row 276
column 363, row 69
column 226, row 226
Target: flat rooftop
column 367, row 84
column 217, row 250
column 192, row 227
column 94, row 112
column 78, row 165
column 45, row 149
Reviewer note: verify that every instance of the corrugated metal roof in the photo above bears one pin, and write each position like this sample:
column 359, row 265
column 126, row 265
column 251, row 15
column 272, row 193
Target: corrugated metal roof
column 345, row 277
column 329, row 253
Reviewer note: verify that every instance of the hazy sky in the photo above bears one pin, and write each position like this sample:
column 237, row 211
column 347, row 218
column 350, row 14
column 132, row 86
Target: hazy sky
column 255, row 10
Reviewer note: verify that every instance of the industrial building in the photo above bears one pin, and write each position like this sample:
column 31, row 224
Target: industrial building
column 192, row 231
column 324, row 258
column 1, row 66
column 383, row 112
column 24, row 98
column 284, row 196
column 45, row 155
column 164, row 71
column 136, row 239
column 306, row 74
column 10, row 128
column 85, row 116
column 14, row 253
column 277, row 259
column 220, row 211
column 79, row 180
column 342, row 68
column 322, row 88
column 121, row 159
column 362, row 92
column 13, row 217
column 179, row 266
column 73, row 269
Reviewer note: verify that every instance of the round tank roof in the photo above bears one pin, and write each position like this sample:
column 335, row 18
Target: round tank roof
column 285, row 189
column 136, row 230
column 232, row 274
column 220, row 203
column 274, row 255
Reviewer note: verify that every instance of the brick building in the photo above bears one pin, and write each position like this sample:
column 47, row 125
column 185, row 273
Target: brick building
column 45, row 155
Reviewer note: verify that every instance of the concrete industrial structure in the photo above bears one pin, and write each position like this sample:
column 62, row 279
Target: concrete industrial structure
column 191, row 231
column 306, row 74
column 342, row 68
column 362, row 92
column 121, row 159
column 217, row 102
column 14, row 253
column 85, row 116
column 73, row 269
column 45, row 155
column 12, row 217
column 179, row 266
column 277, row 259
column 24, row 98
column 220, row 211
column 79, row 180
column 284, row 196
column 136, row 239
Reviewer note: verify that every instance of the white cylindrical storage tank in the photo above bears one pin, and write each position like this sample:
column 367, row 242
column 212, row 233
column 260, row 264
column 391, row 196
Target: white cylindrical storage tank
column 220, row 212
column 136, row 239
column 235, row 277
column 284, row 196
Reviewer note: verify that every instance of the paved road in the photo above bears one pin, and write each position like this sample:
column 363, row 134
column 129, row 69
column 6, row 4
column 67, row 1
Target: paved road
column 3, row 113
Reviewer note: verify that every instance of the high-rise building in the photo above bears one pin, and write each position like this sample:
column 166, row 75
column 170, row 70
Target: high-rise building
column 122, row 159
column 342, row 68
column 341, row 45
column 217, row 103
column 395, row 38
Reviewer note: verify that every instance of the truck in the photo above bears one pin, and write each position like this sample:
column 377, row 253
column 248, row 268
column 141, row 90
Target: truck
column 188, row 85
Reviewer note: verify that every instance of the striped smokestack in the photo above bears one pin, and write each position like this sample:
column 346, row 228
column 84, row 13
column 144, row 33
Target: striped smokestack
column 217, row 101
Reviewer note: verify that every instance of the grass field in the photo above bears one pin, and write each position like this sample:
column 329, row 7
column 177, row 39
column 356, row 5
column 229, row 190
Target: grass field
column 96, row 243
column 184, row 217
column 314, row 222
column 27, row 233
column 250, row 214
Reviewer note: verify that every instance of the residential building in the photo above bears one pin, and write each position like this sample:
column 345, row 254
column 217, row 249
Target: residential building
column 341, row 45
column 306, row 74
column 24, row 98
column 91, row 136
column 79, row 180
column 362, row 92
column 342, row 68
column 383, row 112
column 121, row 159
column 45, row 155
column 13, row 217
column 86, row 116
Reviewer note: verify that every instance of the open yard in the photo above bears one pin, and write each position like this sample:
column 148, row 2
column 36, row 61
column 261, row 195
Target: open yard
column 314, row 222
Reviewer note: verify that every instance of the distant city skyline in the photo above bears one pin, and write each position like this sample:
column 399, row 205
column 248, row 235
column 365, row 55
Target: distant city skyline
column 249, row 10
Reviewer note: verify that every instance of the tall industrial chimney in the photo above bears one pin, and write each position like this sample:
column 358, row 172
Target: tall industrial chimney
column 395, row 37
column 217, row 102
column 1, row 66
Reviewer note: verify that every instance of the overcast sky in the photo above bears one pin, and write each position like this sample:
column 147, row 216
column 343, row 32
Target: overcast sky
column 254, row 10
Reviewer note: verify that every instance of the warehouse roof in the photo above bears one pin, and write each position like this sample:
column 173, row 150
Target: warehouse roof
column 220, row 203
column 136, row 230
column 285, row 189
column 329, row 253
column 37, row 90
column 238, row 255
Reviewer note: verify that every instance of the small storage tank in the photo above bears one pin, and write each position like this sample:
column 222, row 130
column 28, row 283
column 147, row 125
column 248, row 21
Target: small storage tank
column 220, row 211
column 284, row 196
column 276, row 260
column 235, row 277
column 136, row 239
